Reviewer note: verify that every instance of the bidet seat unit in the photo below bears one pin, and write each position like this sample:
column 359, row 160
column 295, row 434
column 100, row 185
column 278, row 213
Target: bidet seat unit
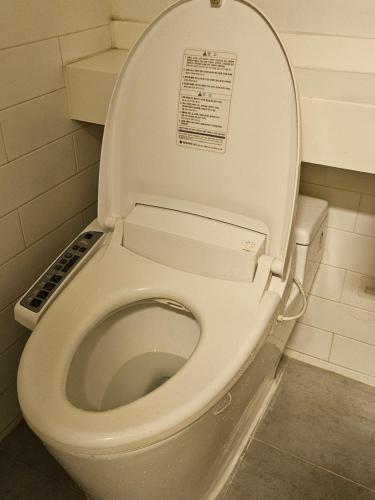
column 153, row 358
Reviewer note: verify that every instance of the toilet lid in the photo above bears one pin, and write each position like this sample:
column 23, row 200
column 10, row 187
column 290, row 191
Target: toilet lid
column 205, row 119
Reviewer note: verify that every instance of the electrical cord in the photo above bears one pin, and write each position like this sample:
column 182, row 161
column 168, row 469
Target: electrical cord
column 302, row 312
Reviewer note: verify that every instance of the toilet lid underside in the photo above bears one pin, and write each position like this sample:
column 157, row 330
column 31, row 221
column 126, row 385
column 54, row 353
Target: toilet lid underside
column 253, row 170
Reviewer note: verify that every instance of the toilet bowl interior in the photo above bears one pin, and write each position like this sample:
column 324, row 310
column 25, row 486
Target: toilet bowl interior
column 130, row 354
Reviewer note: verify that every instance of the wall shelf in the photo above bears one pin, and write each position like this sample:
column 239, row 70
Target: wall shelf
column 337, row 105
column 90, row 84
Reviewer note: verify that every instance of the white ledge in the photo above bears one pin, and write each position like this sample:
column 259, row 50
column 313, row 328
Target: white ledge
column 337, row 107
column 90, row 84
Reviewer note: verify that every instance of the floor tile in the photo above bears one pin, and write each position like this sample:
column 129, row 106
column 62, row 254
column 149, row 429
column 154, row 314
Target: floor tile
column 269, row 474
column 326, row 419
column 20, row 482
column 24, row 446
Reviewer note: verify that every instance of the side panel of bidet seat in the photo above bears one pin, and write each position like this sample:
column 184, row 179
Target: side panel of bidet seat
column 194, row 244
column 32, row 305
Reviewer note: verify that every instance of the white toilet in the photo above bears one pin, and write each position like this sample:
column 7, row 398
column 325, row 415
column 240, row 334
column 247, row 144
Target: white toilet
column 158, row 331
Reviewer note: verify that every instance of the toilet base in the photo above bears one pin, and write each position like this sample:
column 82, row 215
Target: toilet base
column 253, row 417
column 195, row 463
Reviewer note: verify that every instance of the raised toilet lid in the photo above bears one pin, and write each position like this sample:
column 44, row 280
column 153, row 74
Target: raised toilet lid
column 205, row 119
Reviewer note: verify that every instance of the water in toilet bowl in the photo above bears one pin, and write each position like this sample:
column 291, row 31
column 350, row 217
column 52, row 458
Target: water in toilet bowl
column 140, row 376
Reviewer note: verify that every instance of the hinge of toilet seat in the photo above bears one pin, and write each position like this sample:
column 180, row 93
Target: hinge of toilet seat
column 118, row 233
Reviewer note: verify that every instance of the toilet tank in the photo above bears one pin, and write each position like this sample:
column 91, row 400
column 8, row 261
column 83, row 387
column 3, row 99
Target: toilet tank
column 310, row 236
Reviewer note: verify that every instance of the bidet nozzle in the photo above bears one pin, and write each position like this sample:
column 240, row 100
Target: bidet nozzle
column 216, row 3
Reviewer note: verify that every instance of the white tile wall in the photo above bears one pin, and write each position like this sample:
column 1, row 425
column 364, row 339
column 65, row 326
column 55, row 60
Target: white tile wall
column 311, row 341
column 30, row 125
column 87, row 144
column 3, row 155
column 350, row 251
column 90, row 214
column 126, row 33
column 11, row 227
column 9, row 360
column 9, row 410
column 336, row 17
column 43, row 214
column 24, row 179
column 329, row 282
column 30, row 71
column 355, row 355
column 10, row 331
column 139, row 10
column 366, row 216
column 48, row 162
column 359, row 291
column 342, row 300
column 79, row 45
column 23, row 22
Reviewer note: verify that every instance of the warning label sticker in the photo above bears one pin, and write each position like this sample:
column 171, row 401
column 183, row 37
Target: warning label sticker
column 205, row 99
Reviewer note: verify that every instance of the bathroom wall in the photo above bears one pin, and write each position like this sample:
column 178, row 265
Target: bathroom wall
column 48, row 163
column 338, row 330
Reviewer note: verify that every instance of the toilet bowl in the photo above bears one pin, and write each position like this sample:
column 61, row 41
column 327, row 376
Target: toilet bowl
column 157, row 333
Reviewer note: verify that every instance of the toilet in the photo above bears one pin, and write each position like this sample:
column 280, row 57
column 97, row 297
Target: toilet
column 158, row 331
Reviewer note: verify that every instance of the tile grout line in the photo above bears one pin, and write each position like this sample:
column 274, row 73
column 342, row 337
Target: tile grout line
column 39, row 96
column 27, row 246
column 325, row 34
column 41, row 238
column 331, row 347
column 34, row 470
column 313, row 464
column 358, row 211
column 329, row 186
column 75, row 153
column 339, row 301
column 11, row 425
column 2, row 138
column 40, row 147
column 70, row 177
column 40, row 40
column 332, row 368
column 22, row 232
column 22, row 337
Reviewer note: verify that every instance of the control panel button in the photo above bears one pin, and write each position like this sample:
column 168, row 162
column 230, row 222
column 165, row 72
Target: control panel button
column 71, row 263
column 35, row 303
column 39, row 295
column 56, row 278
column 49, row 286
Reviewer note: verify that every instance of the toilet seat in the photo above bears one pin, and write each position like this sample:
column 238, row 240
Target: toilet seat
column 124, row 278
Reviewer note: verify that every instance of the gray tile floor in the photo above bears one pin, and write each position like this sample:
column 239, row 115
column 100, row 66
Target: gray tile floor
column 316, row 442
column 29, row 472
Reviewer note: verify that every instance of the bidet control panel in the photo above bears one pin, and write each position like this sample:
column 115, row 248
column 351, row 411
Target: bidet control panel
column 37, row 297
